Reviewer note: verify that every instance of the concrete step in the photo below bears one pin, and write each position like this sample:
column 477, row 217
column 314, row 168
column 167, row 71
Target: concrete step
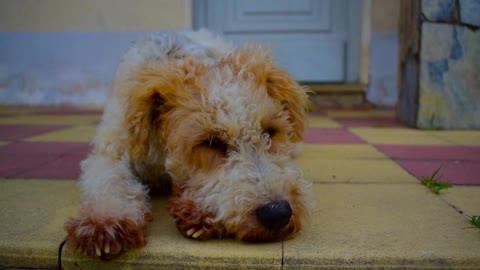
column 388, row 224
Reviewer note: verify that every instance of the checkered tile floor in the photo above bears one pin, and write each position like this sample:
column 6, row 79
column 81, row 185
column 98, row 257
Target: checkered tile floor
column 340, row 145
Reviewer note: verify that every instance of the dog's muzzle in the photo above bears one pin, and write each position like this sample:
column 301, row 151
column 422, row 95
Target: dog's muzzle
column 274, row 216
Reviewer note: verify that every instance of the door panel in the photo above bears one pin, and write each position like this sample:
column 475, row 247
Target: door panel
column 277, row 16
column 309, row 38
column 300, row 58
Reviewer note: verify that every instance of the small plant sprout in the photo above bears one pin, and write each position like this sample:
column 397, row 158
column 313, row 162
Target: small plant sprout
column 432, row 124
column 433, row 182
column 309, row 108
column 475, row 220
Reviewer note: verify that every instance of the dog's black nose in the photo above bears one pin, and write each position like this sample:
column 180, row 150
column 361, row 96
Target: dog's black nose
column 274, row 216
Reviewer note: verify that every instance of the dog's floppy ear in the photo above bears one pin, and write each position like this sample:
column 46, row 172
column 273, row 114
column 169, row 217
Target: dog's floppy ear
column 283, row 87
column 152, row 95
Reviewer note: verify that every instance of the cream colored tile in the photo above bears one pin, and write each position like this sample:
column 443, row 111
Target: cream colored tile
column 347, row 113
column 382, row 226
column 74, row 134
column 339, row 151
column 460, row 137
column 355, row 171
column 402, row 136
column 383, row 113
column 465, row 198
column 32, row 214
column 358, row 113
column 321, row 122
column 51, row 119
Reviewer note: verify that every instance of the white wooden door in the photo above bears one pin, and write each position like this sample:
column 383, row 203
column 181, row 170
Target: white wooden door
column 315, row 40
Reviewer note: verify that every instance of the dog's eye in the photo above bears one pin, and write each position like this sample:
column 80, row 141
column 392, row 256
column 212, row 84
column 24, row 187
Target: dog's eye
column 271, row 132
column 216, row 144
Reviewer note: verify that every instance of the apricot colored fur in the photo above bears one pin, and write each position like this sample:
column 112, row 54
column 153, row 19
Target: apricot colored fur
column 221, row 125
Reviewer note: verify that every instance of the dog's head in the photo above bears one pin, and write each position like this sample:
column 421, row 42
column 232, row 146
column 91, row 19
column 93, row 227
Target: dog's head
column 228, row 132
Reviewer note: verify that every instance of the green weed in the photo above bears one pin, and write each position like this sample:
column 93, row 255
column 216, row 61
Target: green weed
column 433, row 182
column 432, row 124
column 475, row 220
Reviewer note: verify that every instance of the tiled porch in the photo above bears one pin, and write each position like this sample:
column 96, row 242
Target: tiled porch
column 371, row 209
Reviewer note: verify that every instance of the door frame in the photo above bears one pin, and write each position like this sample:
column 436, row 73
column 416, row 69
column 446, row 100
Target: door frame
column 358, row 36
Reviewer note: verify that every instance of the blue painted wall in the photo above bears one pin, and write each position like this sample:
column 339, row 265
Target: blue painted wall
column 59, row 68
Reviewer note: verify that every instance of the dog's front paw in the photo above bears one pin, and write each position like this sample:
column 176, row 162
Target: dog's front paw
column 191, row 221
column 106, row 237
column 195, row 231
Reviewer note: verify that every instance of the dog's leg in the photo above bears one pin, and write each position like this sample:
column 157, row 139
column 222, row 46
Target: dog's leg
column 114, row 212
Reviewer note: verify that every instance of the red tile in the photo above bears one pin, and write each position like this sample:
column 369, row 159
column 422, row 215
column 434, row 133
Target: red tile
column 367, row 122
column 82, row 152
column 430, row 152
column 66, row 167
column 330, row 136
column 455, row 172
column 12, row 166
column 18, row 132
column 52, row 110
column 42, row 148
column 42, row 160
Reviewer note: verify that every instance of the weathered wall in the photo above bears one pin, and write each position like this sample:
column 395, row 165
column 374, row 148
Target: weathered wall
column 91, row 15
column 382, row 88
column 448, row 65
column 65, row 51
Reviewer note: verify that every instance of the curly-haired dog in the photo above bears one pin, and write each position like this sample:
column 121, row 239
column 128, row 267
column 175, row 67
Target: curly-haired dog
column 221, row 124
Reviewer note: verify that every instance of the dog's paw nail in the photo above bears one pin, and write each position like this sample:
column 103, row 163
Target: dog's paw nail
column 191, row 232
column 197, row 233
column 98, row 252
column 106, row 248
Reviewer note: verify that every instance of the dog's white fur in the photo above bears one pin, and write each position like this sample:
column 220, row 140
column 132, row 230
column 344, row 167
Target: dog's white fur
column 193, row 109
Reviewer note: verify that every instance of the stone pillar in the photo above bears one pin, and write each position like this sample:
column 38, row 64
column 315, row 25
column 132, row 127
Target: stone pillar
column 439, row 78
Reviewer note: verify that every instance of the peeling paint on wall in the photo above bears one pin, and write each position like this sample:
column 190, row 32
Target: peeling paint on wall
column 384, row 48
column 59, row 68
